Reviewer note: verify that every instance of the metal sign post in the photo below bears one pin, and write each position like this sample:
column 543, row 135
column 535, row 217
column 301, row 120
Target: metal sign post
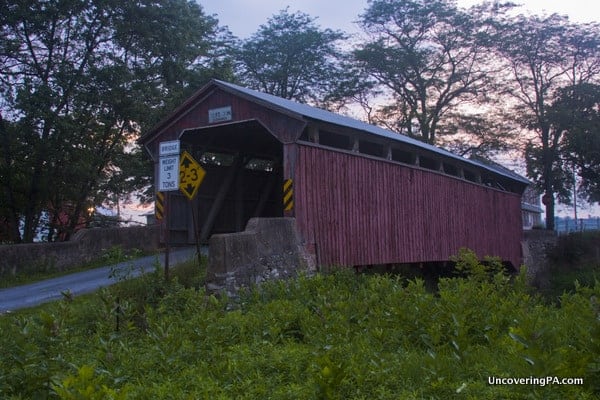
column 191, row 177
column 167, row 239
column 168, row 180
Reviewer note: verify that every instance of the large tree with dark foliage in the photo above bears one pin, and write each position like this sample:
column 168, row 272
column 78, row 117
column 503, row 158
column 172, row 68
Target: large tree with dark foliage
column 430, row 57
column 78, row 81
column 291, row 57
column 576, row 114
column 543, row 55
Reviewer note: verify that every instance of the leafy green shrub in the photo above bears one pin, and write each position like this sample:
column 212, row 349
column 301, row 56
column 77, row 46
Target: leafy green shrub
column 86, row 384
column 117, row 254
column 468, row 264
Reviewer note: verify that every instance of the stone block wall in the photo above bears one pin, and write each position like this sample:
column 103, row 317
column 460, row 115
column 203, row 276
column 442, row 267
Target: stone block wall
column 536, row 245
column 86, row 245
column 269, row 248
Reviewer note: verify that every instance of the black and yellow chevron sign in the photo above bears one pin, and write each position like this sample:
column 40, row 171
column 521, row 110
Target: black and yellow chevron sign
column 288, row 194
column 159, row 205
column 191, row 175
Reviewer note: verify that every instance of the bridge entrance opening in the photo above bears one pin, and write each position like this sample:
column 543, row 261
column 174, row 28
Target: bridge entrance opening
column 243, row 164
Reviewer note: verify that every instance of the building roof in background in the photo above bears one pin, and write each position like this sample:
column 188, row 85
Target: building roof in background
column 531, row 208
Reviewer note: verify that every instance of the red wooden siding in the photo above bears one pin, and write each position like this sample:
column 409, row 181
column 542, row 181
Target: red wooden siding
column 361, row 211
column 285, row 128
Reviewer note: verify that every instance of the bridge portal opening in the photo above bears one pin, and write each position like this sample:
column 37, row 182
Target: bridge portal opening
column 244, row 173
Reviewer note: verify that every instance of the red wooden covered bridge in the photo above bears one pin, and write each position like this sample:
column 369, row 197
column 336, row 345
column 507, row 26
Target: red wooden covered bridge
column 361, row 195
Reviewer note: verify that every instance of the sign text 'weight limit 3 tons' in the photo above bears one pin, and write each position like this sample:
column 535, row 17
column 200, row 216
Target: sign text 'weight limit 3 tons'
column 168, row 166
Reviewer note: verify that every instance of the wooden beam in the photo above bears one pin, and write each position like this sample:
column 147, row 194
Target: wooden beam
column 313, row 134
column 355, row 144
column 239, row 201
column 388, row 151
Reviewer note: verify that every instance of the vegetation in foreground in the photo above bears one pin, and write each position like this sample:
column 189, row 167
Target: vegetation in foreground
column 330, row 336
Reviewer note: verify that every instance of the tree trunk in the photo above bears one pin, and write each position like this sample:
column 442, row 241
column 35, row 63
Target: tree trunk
column 14, row 235
column 548, row 160
column 549, row 211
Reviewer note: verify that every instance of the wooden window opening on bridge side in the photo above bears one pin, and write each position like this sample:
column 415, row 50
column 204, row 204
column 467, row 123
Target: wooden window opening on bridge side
column 393, row 151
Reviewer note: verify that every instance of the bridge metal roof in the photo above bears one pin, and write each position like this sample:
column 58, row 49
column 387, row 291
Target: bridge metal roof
column 314, row 113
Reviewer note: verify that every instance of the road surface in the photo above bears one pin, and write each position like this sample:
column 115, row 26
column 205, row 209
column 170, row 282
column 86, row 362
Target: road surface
column 84, row 282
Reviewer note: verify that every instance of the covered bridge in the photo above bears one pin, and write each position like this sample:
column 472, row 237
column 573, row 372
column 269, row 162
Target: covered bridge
column 360, row 195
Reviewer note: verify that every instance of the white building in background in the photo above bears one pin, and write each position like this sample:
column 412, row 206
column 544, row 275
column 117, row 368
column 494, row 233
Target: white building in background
column 531, row 208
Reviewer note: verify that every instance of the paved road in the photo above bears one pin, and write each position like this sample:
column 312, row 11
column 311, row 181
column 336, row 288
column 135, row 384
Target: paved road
column 83, row 282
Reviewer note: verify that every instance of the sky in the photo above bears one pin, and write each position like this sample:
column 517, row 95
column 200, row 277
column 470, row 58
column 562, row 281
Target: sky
column 243, row 17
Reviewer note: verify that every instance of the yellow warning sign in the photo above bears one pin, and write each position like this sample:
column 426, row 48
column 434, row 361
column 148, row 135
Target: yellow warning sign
column 159, row 205
column 288, row 195
column 191, row 175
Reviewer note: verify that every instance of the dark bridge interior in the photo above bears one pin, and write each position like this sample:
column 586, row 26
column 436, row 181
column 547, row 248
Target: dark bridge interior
column 243, row 164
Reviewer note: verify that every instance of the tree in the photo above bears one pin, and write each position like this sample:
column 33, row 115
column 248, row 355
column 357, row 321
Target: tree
column 479, row 134
column 78, row 81
column 576, row 113
column 429, row 55
column 291, row 57
column 544, row 54
column 12, row 181
column 131, row 176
